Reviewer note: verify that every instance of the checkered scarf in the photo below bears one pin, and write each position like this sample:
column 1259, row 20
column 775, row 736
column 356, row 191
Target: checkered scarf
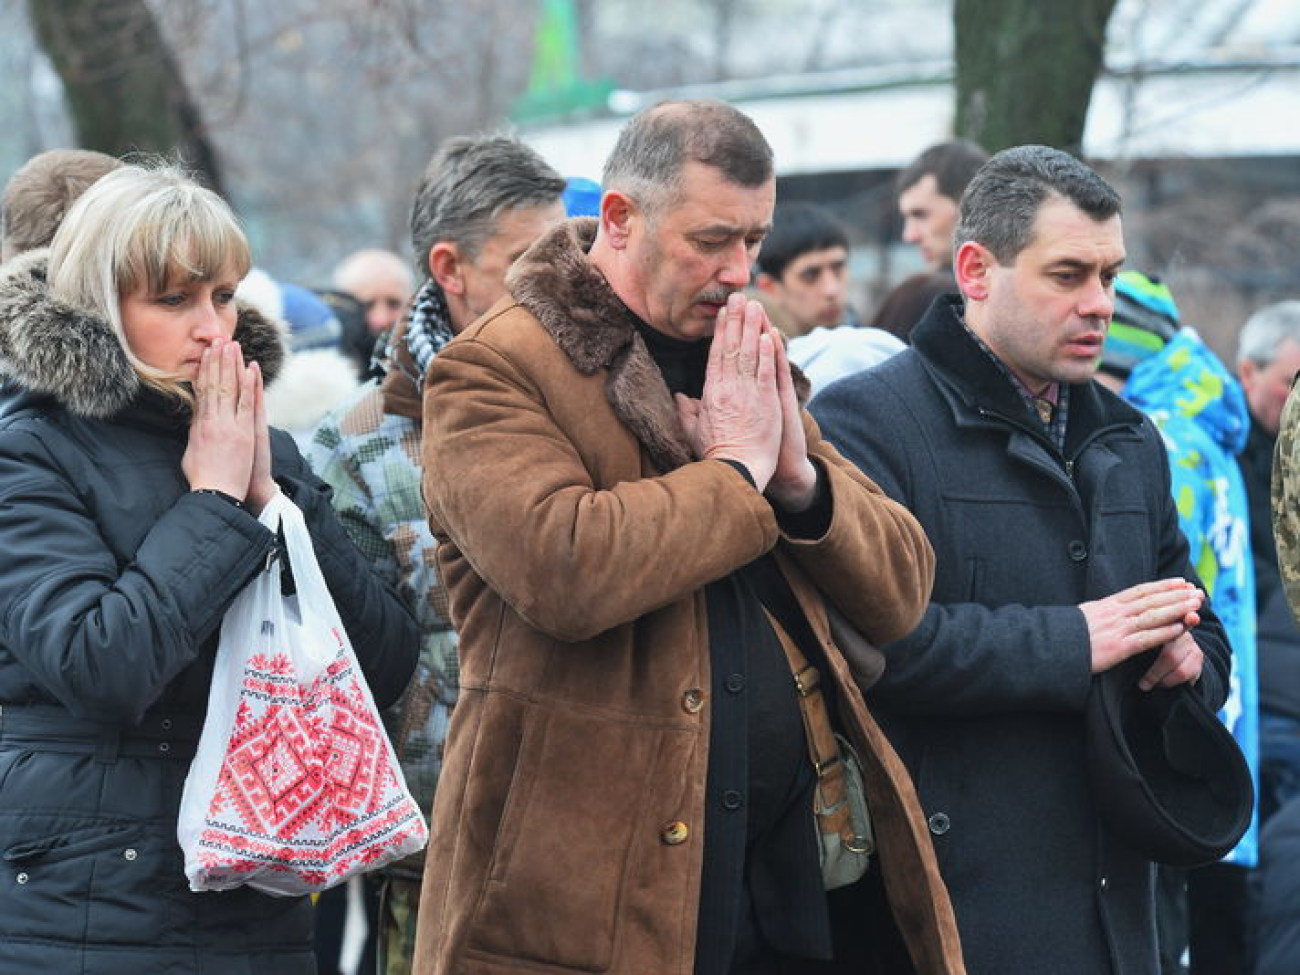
column 428, row 326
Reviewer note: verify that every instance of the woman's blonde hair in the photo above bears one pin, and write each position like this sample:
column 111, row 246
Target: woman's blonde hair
column 144, row 227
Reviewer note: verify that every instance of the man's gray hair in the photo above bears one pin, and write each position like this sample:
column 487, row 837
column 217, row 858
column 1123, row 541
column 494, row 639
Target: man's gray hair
column 647, row 160
column 1002, row 201
column 468, row 184
column 1266, row 330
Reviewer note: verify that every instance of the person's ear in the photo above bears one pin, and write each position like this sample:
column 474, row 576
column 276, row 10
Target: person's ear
column 445, row 267
column 973, row 266
column 618, row 212
column 1246, row 370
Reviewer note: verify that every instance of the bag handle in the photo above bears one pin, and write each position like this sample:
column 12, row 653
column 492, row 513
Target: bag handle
column 823, row 747
column 273, row 510
column 286, row 519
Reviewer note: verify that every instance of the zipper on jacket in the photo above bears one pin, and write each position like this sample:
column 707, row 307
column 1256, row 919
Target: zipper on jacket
column 1036, row 432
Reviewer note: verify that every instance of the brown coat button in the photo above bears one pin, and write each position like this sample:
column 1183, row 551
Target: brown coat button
column 693, row 700
column 674, row 833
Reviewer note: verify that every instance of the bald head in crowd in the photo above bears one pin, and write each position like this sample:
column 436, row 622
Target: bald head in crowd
column 42, row 191
column 381, row 281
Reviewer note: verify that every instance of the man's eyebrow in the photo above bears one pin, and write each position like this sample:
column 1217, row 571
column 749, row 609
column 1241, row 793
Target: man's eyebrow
column 1079, row 264
column 822, row 265
column 731, row 230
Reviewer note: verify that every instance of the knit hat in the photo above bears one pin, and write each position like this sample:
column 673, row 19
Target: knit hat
column 1145, row 319
column 312, row 324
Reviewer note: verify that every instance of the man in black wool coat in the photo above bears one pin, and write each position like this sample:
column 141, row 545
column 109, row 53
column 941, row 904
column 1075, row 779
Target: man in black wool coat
column 1059, row 557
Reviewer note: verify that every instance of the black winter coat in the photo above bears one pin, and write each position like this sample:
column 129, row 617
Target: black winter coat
column 115, row 581
column 1277, row 941
column 985, row 699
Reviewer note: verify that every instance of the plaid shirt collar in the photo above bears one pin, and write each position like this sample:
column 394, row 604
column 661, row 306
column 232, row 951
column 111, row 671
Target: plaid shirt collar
column 1051, row 408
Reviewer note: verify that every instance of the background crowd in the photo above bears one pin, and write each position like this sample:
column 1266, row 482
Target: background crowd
column 352, row 393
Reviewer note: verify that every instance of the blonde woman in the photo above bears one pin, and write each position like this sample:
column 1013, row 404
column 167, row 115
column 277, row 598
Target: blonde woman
column 134, row 458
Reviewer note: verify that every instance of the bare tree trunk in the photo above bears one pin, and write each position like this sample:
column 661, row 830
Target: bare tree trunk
column 123, row 88
column 1025, row 69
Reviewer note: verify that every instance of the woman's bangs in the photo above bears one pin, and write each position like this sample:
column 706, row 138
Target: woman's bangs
column 193, row 242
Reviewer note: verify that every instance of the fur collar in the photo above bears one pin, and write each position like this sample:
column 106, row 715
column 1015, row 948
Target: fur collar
column 561, row 288
column 557, row 284
column 52, row 348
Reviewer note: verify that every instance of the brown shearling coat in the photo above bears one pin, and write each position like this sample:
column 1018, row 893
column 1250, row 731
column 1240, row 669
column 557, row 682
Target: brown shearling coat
column 576, row 537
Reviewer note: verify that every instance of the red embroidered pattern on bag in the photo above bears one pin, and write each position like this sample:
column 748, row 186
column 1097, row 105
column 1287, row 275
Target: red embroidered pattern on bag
column 307, row 787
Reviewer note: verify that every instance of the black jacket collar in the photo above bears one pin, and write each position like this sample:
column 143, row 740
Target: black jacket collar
column 951, row 353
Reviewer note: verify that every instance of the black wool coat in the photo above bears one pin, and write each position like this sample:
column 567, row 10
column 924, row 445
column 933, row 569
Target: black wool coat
column 985, row 699
column 115, row 581
column 1277, row 939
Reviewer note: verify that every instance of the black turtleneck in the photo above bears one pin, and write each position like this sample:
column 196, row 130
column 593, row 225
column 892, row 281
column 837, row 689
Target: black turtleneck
column 761, row 894
column 682, row 362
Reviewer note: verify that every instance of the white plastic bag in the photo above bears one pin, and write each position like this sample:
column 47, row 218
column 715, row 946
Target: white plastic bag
column 294, row 786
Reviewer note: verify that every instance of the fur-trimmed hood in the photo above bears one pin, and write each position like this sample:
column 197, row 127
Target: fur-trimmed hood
column 560, row 287
column 52, row 348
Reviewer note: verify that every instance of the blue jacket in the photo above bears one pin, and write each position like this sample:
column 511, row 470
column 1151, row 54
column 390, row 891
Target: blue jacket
column 1200, row 410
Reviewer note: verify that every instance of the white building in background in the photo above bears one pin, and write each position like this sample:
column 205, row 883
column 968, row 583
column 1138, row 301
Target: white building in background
column 880, row 118
column 1183, row 79
column 1211, row 86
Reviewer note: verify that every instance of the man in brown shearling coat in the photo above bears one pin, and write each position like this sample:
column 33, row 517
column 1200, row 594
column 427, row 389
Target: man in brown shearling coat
column 635, row 519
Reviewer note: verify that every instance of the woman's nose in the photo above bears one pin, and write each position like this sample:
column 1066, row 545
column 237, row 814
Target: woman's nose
column 208, row 324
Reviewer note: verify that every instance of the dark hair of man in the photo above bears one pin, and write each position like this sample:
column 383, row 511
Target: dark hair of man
column 1001, row 203
column 952, row 164
column 647, row 160
column 41, row 192
column 468, row 184
column 797, row 229
column 907, row 302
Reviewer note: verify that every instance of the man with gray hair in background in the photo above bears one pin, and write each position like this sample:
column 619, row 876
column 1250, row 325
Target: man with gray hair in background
column 1059, row 563
column 640, row 532
column 1268, row 358
column 481, row 202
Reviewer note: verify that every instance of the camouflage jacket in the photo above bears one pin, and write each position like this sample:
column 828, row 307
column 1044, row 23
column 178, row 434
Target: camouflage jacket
column 371, row 458
column 1286, row 500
